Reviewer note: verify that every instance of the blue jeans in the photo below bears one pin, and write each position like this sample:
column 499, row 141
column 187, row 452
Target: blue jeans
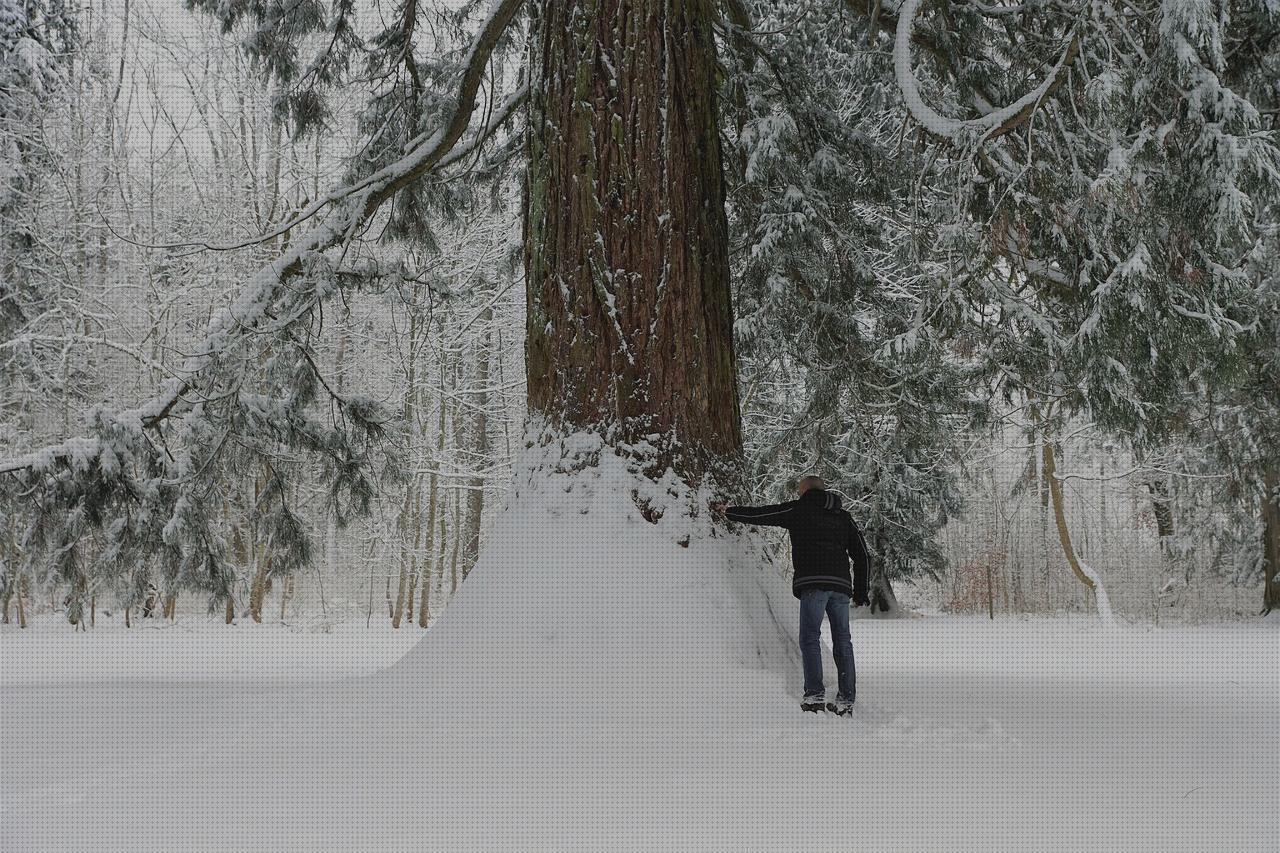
column 813, row 603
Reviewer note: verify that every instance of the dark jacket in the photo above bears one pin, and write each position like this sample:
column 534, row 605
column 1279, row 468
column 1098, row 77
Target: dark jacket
column 823, row 541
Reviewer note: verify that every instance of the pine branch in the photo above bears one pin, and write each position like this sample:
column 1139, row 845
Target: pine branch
column 993, row 124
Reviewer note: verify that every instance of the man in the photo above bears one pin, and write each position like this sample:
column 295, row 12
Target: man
column 823, row 541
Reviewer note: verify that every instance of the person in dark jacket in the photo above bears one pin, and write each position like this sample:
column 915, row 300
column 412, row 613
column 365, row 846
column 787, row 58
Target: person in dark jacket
column 824, row 542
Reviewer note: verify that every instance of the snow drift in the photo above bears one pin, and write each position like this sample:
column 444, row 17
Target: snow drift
column 579, row 601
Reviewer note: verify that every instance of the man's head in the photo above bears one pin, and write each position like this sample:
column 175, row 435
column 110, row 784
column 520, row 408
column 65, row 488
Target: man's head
column 809, row 482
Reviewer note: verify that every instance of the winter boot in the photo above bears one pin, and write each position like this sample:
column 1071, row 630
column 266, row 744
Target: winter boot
column 812, row 703
column 841, row 708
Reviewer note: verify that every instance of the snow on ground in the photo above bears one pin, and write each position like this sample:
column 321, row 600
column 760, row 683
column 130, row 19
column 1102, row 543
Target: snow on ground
column 194, row 648
column 597, row 686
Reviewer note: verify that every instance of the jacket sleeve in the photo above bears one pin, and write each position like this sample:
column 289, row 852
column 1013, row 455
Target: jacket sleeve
column 860, row 559
column 774, row 515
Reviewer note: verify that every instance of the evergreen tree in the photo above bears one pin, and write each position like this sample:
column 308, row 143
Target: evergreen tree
column 837, row 285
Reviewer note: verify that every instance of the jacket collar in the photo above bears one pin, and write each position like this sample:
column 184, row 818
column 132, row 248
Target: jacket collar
column 822, row 498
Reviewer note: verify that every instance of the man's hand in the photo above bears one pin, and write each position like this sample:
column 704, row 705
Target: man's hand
column 718, row 508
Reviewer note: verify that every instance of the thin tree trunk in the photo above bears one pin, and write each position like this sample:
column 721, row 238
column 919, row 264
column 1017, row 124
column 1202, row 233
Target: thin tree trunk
column 1064, row 535
column 480, row 425
column 1160, row 507
column 408, row 559
column 415, row 551
column 441, row 550
column 880, row 590
column 1158, row 487
column 629, row 322
column 429, row 555
column 240, row 549
column 397, row 609
column 261, row 583
column 1043, row 486
column 340, row 377
column 457, row 539
column 457, row 493
column 1059, row 513
column 261, row 586
column 286, row 590
column 880, row 595
column 1270, row 539
column 411, row 593
column 75, row 600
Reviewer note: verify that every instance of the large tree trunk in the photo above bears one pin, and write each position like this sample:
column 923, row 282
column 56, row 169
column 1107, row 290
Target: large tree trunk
column 626, row 253
column 1271, row 539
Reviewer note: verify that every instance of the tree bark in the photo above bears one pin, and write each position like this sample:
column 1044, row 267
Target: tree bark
column 1270, row 539
column 629, row 321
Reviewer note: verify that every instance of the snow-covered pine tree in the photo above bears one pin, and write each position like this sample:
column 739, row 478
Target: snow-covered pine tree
column 837, row 284
column 143, row 485
column 1103, row 220
column 37, row 41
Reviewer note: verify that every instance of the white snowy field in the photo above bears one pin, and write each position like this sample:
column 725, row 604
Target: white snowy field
column 49, row 653
column 597, row 686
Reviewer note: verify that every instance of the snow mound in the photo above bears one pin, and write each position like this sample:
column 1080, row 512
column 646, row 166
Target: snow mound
column 581, row 604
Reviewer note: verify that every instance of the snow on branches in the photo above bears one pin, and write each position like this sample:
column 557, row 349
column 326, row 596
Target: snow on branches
column 143, row 485
column 993, row 123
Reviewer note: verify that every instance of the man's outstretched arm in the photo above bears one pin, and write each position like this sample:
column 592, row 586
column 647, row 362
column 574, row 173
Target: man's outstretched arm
column 774, row 515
